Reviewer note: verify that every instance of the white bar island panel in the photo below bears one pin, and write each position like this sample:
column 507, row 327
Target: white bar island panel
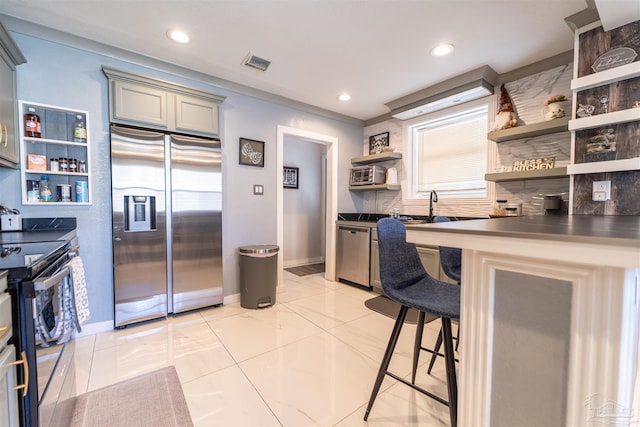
column 549, row 320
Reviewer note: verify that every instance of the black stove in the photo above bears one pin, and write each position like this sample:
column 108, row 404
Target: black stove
column 26, row 260
column 36, row 261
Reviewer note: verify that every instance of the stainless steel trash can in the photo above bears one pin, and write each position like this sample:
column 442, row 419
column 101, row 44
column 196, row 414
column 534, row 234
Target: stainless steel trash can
column 258, row 275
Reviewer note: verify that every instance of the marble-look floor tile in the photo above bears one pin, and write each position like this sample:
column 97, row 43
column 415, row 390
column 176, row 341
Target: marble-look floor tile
column 370, row 335
column 227, row 398
column 226, row 310
column 329, row 309
column 257, row 331
column 192, row 348
column 309, row 360
column 400, row 405
column 316, row 381
column 293, row 290
column 83, row 357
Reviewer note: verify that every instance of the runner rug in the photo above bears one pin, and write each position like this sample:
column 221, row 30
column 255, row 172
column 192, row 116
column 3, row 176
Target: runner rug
column 305, row 270
column 155, row 399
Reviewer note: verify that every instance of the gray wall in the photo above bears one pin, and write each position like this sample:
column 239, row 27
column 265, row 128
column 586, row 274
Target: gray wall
column 303, row 208
column 61, row 75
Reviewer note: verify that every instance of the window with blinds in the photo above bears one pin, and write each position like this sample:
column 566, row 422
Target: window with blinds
column 450, row 154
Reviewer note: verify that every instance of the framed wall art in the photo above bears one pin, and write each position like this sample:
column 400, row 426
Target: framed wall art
column 378, row 142
column 251, row 152
column 290, row 177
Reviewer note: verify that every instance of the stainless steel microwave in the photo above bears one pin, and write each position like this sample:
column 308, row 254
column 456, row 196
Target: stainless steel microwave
column 367, row 175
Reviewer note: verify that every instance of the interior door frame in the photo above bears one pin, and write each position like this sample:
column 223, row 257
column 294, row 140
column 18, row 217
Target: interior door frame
column 331, row 204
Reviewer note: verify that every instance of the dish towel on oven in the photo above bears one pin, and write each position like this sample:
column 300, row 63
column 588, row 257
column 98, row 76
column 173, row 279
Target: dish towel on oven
column 72, row 308
column 79, row 290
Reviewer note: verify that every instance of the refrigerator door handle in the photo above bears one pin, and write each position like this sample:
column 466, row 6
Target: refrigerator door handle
column 137, row 134
column 195, row 141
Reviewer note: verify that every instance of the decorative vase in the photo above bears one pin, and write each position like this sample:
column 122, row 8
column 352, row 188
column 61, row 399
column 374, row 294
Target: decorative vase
column 556, row 110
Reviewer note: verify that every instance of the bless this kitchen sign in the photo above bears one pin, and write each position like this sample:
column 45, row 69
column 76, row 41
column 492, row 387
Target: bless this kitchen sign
column 534, row 164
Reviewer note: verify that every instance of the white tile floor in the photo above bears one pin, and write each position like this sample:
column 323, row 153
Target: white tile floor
column 310, row 360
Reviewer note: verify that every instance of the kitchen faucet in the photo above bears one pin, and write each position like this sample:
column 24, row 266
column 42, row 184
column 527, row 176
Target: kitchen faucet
column 433, row 198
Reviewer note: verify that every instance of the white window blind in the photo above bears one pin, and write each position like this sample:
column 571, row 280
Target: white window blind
column 451, row 154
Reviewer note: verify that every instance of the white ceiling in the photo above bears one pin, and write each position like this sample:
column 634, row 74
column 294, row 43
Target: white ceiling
column 377, row 50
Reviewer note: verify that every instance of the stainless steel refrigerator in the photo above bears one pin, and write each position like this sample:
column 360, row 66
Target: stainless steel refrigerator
column 167, row 223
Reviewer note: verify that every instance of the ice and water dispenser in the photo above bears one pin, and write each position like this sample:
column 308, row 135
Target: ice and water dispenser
column 140, row 213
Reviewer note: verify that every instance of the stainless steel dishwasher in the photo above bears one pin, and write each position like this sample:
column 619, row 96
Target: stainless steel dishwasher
column 353, row 255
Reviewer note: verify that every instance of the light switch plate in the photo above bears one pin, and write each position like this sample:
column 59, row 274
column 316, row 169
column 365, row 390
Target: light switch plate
column 258, row 190
column 601, row 191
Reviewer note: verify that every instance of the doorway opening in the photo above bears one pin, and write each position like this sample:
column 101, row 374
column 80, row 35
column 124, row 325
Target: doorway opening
column 330, row 199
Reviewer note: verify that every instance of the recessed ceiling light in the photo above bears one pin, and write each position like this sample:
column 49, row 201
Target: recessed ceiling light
column 442, row 49
column 344, row 97
column 178, row 36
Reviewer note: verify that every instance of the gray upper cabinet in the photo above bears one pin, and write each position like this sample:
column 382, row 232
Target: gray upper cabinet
column 141, row 101
column 10, row 57
column 135, row 103
column 196, row 114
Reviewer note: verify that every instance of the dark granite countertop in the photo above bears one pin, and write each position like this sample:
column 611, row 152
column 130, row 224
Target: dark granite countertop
column 17, row 237
column 36, row 230
column 623, row 231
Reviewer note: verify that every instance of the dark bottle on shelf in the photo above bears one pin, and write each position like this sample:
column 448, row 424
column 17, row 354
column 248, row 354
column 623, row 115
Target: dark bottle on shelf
column 63, row 164
column 31, row 124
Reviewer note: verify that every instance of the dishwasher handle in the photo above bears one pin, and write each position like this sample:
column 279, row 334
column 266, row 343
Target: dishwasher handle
column 353, row 230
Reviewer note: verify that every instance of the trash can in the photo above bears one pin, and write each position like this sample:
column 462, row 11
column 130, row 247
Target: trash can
column 258, row 275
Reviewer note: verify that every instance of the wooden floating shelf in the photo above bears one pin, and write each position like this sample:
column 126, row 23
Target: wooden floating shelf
column 529, row 131
column 535, row 174
column 390, row 187
column 374, row 158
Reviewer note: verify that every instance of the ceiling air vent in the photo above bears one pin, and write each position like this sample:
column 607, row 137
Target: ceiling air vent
column 255, row 62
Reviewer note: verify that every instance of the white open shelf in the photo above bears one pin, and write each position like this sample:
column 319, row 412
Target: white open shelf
column 602, row 78
column 53, row 141
column 604, row 166
column 601, row 120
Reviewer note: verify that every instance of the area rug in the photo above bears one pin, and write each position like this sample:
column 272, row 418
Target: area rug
column 151, row 400
column 305, row 270
column 389, row 308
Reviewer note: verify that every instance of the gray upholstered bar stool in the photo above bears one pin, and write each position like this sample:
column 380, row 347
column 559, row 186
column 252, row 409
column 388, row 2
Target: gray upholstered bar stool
column 451, row 263
column 405, row 281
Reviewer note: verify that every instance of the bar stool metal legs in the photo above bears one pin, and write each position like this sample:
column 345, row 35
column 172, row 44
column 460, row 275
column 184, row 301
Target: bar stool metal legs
column 452, row 383
column 452, row 387
column 417, row 346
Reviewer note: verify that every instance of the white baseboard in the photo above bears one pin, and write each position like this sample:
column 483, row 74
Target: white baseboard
column 229, row 299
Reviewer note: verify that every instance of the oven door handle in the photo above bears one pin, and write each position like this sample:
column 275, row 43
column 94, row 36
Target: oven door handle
column 25, row 386
column 47, row 282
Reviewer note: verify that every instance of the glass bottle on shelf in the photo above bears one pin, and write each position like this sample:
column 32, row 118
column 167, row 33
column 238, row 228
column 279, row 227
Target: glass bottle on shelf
column 45, row 191
column 63, row 164
column 499, row 208
column 79, row 129
column 31, row 124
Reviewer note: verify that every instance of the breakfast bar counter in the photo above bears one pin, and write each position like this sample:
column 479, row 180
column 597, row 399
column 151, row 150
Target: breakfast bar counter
column 549, row 321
